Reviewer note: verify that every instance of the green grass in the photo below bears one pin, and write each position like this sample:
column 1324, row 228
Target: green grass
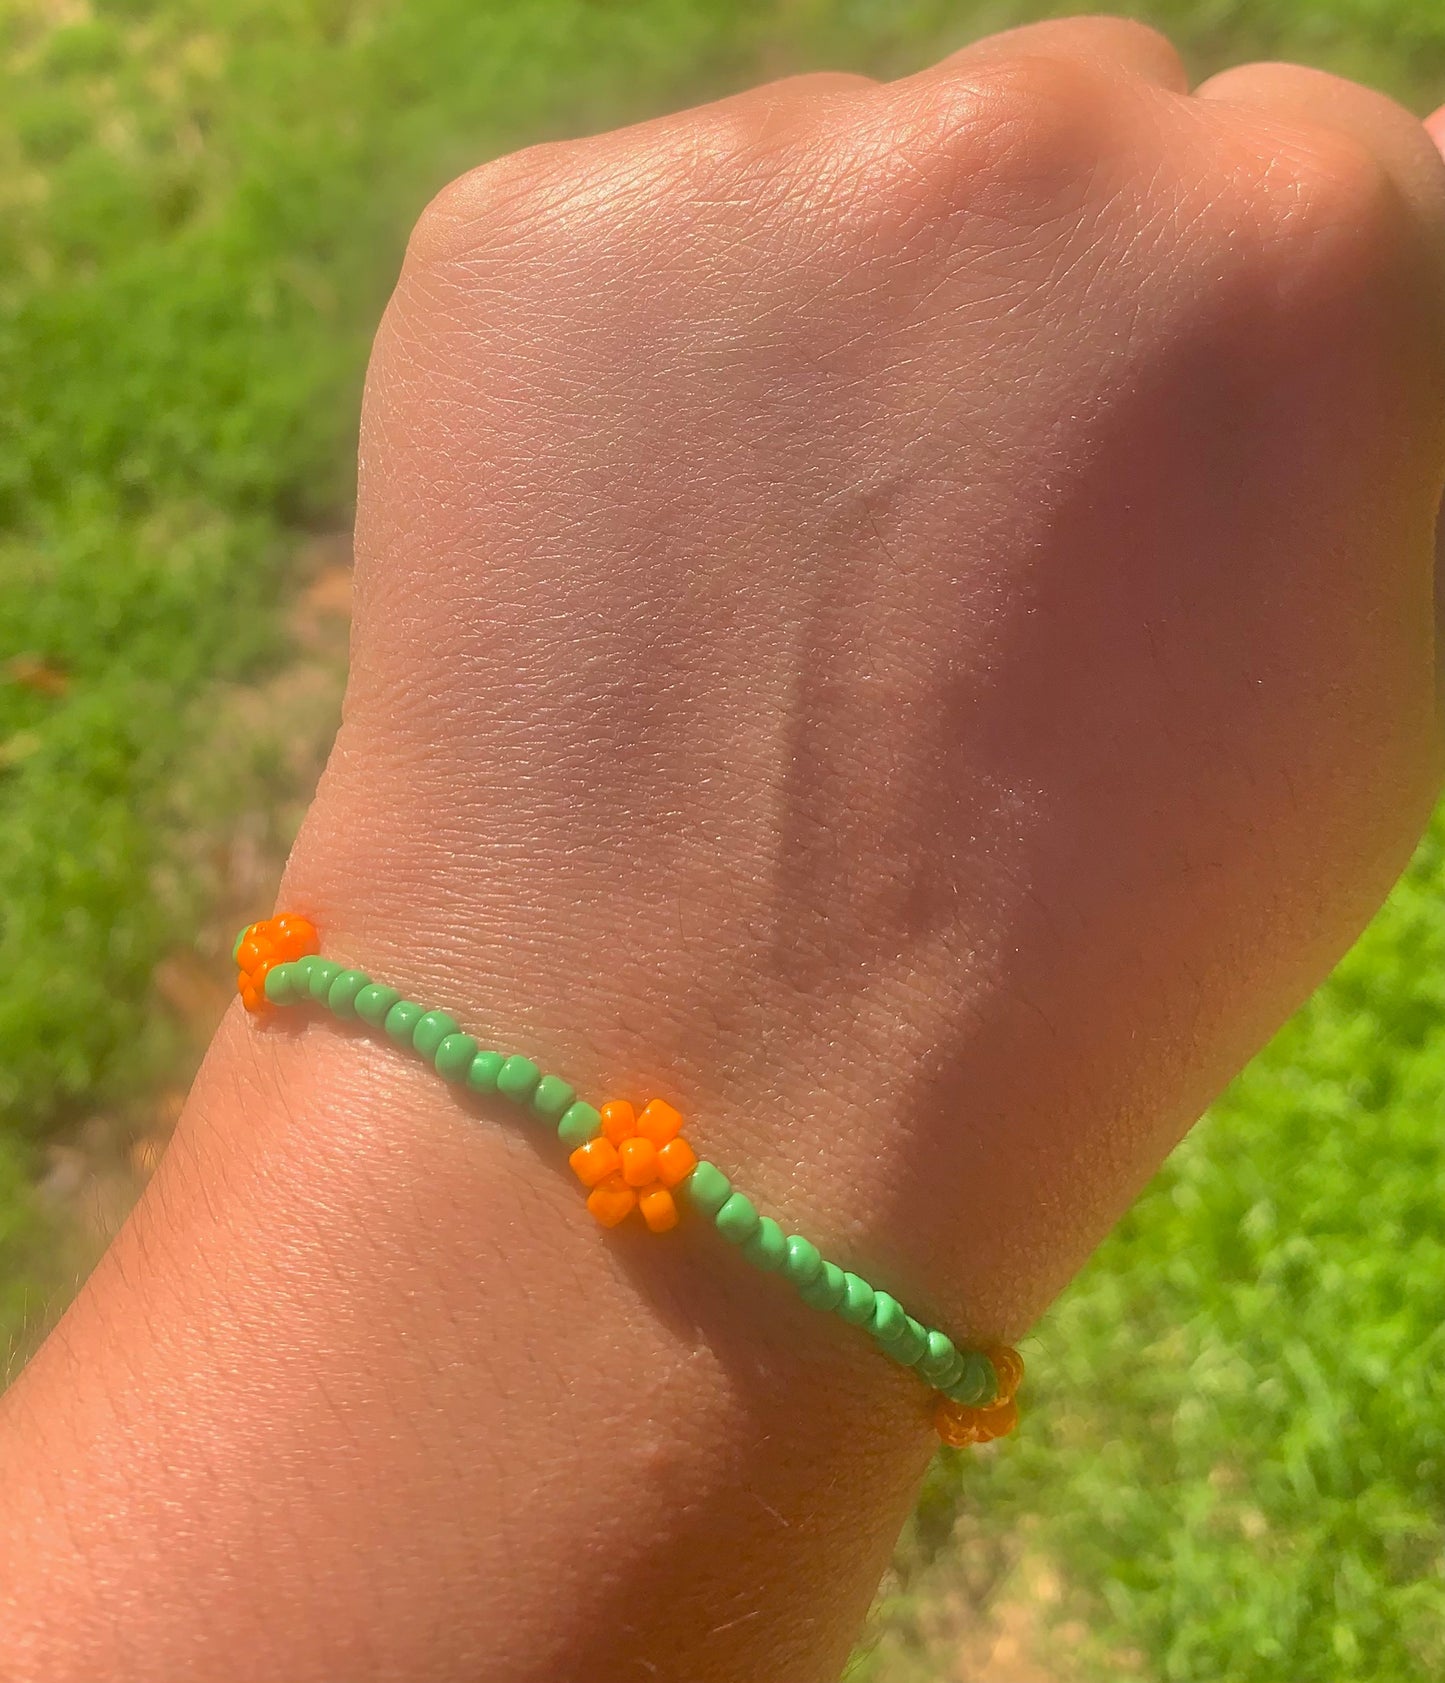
column 1236, row 1438
column 1235, row 1445
column 202, row 205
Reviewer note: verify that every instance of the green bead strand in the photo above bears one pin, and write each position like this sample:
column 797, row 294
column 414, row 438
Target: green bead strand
column 374, row 1001
column 889, row 1317
column 482, row 1076
column 966, row 1377
column 911, row 1345
column 951, row 1376
column 552, row 1097
column 857, row 1305
column 431, row 1029
column 517, row 1079
column 826, row 1291
column 977, row 1385
column 579, row 1123
column 804, row 1261
column 768, row 1247
column 737, row 1220
column 341, row 995
column 453, row 1059
column 402, row 1019
column 940, row 1360
column 708, row 1187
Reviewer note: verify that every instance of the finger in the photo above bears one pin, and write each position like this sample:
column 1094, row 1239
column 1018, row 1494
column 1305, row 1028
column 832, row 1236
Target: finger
column 1119, row 44
column 1395, row 138
column 1435, row 128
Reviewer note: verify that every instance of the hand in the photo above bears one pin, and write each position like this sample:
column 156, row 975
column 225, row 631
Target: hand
column 901, row 617
column 897, row 617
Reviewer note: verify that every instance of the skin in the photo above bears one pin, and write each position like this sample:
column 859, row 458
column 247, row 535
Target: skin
column 897, row 617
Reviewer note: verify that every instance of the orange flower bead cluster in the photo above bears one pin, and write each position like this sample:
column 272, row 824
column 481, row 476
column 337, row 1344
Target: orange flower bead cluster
column 262, row 946
column 634, row 1164
column 960, row 1426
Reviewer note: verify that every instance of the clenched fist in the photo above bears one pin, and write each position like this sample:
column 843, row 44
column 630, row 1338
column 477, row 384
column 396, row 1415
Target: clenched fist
column 903, row 614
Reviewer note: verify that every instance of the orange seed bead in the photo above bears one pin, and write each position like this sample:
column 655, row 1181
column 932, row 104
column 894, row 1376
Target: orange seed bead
column 594, row 1162
column 254, row 950
column 639, row 1161
column 675, row 1162
column 659, row 1209
column 1009, row 1366
column 612, row 1201
column 295, row 936
column 659, row 1122
column 956, row 1424
column 272, row 941
column 619, row 1121
column 998, row 1419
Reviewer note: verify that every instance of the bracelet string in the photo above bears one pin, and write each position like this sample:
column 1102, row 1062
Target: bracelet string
column 636, row 1161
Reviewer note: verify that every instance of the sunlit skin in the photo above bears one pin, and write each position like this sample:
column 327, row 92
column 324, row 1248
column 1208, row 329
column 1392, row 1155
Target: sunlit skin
column 898, row 618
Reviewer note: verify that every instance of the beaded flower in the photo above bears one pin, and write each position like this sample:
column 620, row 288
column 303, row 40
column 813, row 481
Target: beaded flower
column 634, row 1164
column 959, row 1425
column 262, row 946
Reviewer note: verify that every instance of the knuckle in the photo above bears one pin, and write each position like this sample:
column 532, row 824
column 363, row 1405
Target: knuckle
column 1145, row 38
column 1335, row 256
column 488, row 205
column 1021, row 138
column 1337, row 202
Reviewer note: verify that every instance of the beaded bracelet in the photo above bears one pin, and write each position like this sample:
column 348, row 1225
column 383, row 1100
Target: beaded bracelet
column 636, row 1161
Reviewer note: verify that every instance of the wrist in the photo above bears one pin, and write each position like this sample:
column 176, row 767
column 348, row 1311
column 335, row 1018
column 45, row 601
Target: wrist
column 829, row 1111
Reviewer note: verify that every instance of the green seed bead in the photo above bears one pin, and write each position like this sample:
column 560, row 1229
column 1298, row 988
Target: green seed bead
column 374, row 1001
column 889, row 1317
column 708, row 1187
column 911, row 1345
column 453, row 1058
column 517, row 1079
column 402, row 1019
column 482, row 1076
column 945, row 1380
column 768, row 1247
column 431, row 1030
column 281, row 984
column 826, row 1291
column 804, row 1261
column 939, row 1360
column 301, row 972
column 857, row 1305
column 737, row 1220
column 236, row 944
column 977, row 1385
column 579, row 1123
column 341, row 995
column 552, row 1097
column 990, row 1381
column 323, row 974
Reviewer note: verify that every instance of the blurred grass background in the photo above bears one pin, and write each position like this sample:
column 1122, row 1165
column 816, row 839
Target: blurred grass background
column 1234, row 1462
